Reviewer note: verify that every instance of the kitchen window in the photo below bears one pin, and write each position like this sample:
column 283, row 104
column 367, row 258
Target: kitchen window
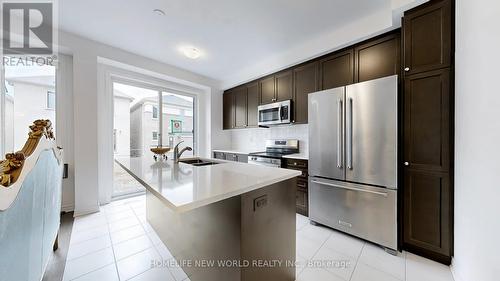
column 142, row 117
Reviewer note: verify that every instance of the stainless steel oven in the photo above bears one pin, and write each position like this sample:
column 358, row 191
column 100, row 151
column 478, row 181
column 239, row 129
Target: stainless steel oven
column 275, row 113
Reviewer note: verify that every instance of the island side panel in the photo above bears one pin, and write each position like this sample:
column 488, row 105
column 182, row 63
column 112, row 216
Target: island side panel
column 268, row 231
column 209, row 233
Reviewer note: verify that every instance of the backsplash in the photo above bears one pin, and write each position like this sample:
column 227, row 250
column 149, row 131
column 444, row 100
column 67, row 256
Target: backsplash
column 253, row 140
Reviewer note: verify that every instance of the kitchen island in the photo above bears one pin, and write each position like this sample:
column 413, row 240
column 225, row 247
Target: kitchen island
column 223, row 221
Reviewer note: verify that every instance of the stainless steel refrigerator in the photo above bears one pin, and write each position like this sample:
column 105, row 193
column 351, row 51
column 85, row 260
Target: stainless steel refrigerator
column 353, row 146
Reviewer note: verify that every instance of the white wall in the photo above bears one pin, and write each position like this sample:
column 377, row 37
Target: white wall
column 65, row 126
column 90, row 112
column 477, row 135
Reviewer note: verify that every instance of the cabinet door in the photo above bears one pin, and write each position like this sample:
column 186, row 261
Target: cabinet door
column 232, row 157
column 243, row 158
column 267, row 90
column 284, row 86
column 427, row 121
column 337, row 70
column 228, row 110
column 427, row 214
column 302, row 202
column 219, row 155
column 378, row 58
column 427, row 37
column 252, row 104
column 305, row 81
column 240, row 107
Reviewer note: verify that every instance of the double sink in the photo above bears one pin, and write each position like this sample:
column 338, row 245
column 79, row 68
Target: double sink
column 198, row 162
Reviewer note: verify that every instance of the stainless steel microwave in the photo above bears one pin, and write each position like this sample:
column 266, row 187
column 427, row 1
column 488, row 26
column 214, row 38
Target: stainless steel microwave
column 275, row 113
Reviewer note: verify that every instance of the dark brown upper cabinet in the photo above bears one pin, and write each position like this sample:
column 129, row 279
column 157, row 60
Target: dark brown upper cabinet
column 267, row 90
column 306, row 80
column 377, row 58
column 371, row 59
column 284, row 86
column 240, row 107
column 228, row 110
column 252, row 104
column 337, row 70
column 427, row 121
column 427, row 37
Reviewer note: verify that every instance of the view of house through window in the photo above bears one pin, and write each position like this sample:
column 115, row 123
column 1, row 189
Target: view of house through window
column 140, row 123
column 28, row 94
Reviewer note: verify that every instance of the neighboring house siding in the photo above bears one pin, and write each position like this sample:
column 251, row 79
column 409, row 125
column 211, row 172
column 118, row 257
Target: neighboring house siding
column 29, row 104
column 142, row 126
column 122, row 126
column 136, row 131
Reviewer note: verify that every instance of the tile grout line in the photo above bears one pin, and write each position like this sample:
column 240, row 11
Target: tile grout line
column 85, row 274
column 383, row 271
column 317, row 251
column 113, row 250
column 357, row 261
column 154, row 245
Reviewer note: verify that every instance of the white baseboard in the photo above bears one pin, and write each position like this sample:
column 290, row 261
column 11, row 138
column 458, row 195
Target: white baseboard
column 67, row 208
column 453, row 270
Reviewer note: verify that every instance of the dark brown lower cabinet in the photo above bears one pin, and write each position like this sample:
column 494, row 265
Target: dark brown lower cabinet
column 302, row 193
column 428, row 216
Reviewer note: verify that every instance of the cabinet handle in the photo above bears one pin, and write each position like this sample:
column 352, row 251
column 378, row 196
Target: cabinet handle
column 406, row 164
column 407, row 69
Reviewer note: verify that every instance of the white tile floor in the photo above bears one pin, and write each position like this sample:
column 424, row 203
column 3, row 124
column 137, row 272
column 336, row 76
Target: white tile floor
column 118, row 244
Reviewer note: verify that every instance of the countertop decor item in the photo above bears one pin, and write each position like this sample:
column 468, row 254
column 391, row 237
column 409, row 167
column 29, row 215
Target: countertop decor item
column 160, row 152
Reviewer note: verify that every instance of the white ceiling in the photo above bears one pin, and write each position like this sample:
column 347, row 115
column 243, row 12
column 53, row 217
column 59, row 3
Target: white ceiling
column 239, row 39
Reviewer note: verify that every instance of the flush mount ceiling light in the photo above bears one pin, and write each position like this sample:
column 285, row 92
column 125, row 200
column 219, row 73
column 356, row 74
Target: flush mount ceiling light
column 159, row 12
column 191, row 52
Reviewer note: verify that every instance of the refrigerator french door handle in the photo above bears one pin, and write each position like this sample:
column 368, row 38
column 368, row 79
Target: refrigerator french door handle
column 349, row 136
column 350, row 188
column 339, row 133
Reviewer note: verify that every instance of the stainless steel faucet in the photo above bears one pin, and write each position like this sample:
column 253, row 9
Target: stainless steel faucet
column 177, row 154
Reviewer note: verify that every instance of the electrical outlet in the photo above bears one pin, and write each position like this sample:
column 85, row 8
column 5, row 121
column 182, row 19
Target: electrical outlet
column 259, row 202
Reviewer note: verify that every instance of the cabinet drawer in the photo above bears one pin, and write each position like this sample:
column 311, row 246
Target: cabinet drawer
column 219, row 155
column 301, row 199
column 232, row 157
column 296, row 163
column 302, row 185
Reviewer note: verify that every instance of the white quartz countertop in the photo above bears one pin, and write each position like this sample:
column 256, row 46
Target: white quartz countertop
column 184, row 187
column 236, row 151
column 302, row 156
